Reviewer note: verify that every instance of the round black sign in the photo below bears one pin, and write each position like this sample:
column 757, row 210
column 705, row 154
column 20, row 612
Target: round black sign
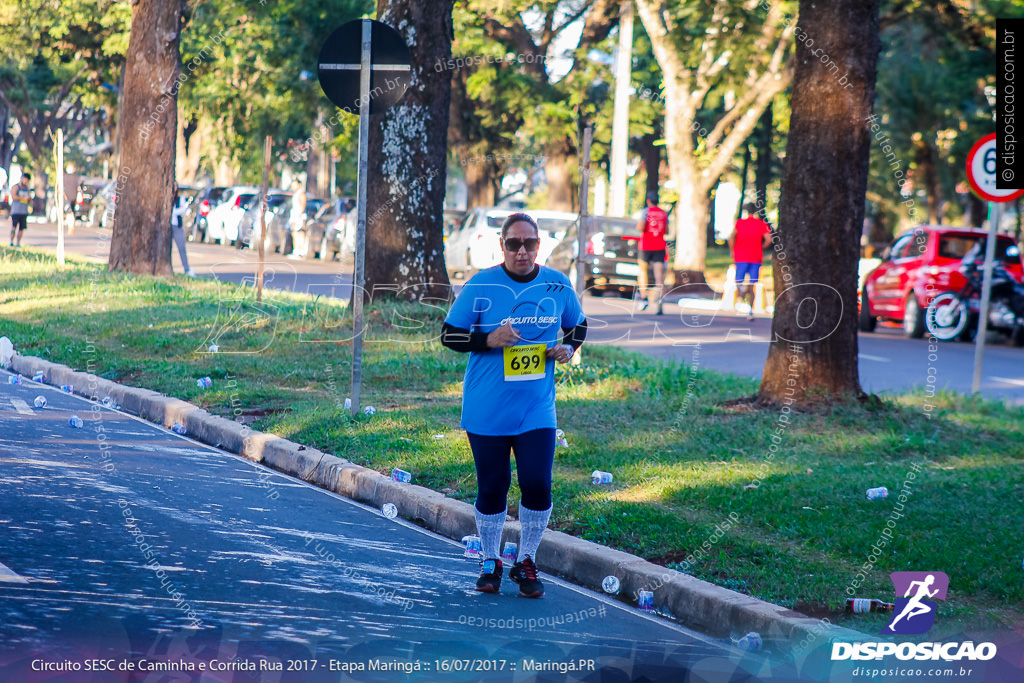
column 339, row 66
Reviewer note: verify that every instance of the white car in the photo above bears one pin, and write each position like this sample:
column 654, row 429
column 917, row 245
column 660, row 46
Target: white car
column 222, row 221
column 476, row 243
column 552, row 226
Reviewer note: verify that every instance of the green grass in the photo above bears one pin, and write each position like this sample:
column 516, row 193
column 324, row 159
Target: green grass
column 682, row 463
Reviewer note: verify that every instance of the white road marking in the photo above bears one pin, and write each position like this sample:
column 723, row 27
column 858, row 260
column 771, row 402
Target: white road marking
column 9, row 576
column 878, row 359
column 1008, row 380
column 21, row 406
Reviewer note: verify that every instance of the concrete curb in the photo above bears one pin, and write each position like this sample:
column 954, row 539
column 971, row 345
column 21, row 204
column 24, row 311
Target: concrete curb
column 704, row 607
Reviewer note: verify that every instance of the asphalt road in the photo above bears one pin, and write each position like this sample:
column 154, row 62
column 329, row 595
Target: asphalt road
column 122, row 541
column 889, row 362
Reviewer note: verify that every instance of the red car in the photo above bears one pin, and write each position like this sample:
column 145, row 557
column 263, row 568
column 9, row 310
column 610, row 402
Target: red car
column 919, row 265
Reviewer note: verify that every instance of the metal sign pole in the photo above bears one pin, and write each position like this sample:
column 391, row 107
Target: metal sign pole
column 994, row 213
column 583, row 223
column 267, row 147
column 60, row 196
column 360, row 274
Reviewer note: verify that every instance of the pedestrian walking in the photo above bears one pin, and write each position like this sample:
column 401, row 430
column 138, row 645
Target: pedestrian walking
column 508, row 319
column 297, row 218
column 653, row 226
column 21, row 207
column 179, row 205
column 750, row 237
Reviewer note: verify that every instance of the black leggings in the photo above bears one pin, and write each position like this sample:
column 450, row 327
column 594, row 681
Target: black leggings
column 535, row 455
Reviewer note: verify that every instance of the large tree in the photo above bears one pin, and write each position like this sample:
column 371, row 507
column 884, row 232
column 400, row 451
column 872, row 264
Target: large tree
column 55, row 56
column 141, row 241
column 813, row 355
column 703, row 49
column 408, row 155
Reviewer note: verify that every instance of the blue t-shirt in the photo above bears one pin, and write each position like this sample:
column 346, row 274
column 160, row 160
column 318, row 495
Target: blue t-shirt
column 539, row 310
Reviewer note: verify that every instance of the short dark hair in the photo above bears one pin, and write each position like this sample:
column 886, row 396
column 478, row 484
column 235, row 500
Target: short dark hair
column 26, row 176
column 652, row 196
column 516, row 218
column 751, row 208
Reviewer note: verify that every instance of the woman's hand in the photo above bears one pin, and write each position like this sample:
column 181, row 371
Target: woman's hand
column 562, row 353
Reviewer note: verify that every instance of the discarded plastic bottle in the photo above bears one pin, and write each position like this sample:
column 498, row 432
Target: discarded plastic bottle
column 109, row 403
column 750, row 642
column 560, row 439
column 510, row 553
column 390, row 510
column 348, row 404
column 204, row 382
column 877, row 493
column 599, row 477
column 14, row 379
column 214, row 348
column 474, row 548
column 401, row 475
column 67, row 388
column 611, row 584
column 369, row 410
column 39, row 376
column 178, row 428
column 645, row 600
column 865, row 605
column 76, row 422
column 40, row 401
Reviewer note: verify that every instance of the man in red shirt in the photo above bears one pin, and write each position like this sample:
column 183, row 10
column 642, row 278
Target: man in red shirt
column 652, row 226
column 749, row 239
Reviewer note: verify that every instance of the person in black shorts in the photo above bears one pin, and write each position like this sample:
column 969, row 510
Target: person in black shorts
column 653, row 226
column 21, row 206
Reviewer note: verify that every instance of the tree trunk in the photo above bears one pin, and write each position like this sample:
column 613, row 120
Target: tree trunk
column 407, row 165
column 813, row 355
column 141, row 240
column 763, row 172
column 558, row 169
column 481, row 186
column 928, row 177
column 651, row 156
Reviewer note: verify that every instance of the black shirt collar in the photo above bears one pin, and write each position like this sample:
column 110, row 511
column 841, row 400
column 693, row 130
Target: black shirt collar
column 529, row 277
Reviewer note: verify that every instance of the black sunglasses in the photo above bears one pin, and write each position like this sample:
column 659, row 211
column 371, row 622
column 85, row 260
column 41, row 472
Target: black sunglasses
column 513, row 244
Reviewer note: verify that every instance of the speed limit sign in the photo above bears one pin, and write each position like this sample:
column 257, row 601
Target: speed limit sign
column 981, row 172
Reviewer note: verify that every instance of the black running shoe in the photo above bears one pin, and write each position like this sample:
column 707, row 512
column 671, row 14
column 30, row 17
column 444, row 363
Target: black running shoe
column 490, row 577
column 525, row 574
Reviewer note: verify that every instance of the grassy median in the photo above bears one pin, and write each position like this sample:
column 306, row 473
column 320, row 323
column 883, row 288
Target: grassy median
column 685, row 456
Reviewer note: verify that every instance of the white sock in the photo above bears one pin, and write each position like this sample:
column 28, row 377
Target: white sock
column 489, row 527
column 533, row 523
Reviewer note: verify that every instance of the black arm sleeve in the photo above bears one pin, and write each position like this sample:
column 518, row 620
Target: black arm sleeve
column 459, row 339
column 575, row 336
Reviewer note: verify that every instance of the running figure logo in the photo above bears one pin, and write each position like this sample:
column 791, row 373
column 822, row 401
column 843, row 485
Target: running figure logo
column 914, row 614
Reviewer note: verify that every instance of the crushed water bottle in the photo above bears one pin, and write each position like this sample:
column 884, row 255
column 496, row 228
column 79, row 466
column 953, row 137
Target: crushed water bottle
column 877, row 493
column 204, row 382
column 14, row 379
column 39, row 376
column 645, row 600
column 348, row 404
column 40, row 401
column 369, row 410
column 560, row 439
column 178, row 428
column 76, row 422
column 611, row 585
column 599, row 477
column 390, row 510
column 401, row 475
column 474, row 548
column 109, row 403
column 214, row 348
column 67, row 388
column 510, row 553
column 750, row 642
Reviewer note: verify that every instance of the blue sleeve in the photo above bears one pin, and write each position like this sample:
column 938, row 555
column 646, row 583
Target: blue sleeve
column 463, row 312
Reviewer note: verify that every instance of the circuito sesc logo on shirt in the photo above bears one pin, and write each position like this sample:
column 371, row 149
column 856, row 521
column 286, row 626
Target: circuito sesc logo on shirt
column 533, row 319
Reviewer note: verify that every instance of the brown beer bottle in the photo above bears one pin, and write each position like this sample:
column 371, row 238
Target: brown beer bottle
column 862, row 605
